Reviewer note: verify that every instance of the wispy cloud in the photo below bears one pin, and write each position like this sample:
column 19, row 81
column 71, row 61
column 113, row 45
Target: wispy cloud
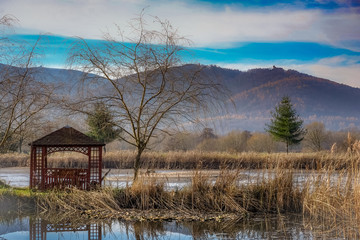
column 319, row 37
column 202, row 23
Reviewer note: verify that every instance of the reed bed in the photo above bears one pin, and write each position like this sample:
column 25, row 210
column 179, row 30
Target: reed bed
column 329, row 201
column 195, row 160
column 14, row 160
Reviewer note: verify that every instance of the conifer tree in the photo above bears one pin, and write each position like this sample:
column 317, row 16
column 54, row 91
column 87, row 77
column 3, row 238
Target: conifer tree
column 286, row 125
column 101, row 124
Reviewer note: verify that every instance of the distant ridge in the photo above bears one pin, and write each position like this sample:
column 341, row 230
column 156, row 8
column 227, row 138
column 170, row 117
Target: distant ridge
column 257, row 91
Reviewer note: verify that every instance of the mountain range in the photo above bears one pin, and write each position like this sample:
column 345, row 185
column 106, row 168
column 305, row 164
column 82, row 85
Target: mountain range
column 256, row 92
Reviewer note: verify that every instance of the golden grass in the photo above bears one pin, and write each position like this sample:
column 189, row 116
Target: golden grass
column 195, row 160
column 332, row 200
column 14, row 160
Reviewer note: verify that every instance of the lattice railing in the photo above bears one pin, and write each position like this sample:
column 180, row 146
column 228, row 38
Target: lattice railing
column 83, row 150
column 95, row 166
column 66, row 177
column 39, row 229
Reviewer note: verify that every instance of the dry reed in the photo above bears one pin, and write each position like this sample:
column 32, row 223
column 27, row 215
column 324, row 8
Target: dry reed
column 195, row 160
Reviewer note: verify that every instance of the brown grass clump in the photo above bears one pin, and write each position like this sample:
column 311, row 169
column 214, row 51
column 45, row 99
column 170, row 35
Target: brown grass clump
column 275, row 193
column 146, row 193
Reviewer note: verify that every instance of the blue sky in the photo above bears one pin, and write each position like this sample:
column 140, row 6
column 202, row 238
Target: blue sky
column 318, row 37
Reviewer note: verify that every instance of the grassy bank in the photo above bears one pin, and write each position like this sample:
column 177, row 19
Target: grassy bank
column 195, row 160
column 16, row 201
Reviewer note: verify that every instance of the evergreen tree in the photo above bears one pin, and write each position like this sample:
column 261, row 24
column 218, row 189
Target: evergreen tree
column 102, row 127
column 286, row 125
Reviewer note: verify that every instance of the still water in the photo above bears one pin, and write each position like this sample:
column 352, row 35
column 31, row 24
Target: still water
column 256, row 227
column 172, row 179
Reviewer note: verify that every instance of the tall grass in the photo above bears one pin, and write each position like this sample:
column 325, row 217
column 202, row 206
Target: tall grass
column 14, row 160
column 332, row 199
column 194, row 160
column 204, row 195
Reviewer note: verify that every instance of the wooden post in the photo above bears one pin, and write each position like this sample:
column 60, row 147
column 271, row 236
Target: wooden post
column 89, row 169
column 100, row 164
column 43, row 155
column 32, row 160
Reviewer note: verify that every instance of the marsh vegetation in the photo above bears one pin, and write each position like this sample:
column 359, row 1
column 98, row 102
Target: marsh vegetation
column 327, row 200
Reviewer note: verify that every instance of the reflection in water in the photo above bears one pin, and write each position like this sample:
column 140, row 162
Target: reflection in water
column 40, row 229
column 256, row 227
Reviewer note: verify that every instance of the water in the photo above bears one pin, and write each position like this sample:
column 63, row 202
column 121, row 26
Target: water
column 255, row 227
column 172, row 179
column 258, row 227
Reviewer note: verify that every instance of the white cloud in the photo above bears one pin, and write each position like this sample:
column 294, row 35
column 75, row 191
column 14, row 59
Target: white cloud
column 202, row 24
column 205, row 26
column 348, row 75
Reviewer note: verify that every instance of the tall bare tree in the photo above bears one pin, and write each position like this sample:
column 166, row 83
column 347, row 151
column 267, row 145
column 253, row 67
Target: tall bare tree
column 316, row 137
column 22, row 96
column 144, row 80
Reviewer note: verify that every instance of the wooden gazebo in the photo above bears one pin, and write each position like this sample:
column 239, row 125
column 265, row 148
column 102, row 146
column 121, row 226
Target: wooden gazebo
column 65, row 139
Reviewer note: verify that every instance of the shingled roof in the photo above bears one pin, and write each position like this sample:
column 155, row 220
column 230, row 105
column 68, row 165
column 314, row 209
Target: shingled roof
column 66, row 136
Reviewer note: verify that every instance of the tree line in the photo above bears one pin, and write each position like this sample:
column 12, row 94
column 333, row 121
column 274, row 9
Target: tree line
column 316, row 139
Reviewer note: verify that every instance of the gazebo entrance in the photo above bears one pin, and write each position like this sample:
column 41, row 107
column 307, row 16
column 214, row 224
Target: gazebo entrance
column 65, row 139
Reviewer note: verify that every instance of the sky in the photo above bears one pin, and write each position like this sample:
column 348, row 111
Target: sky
column 317, row 37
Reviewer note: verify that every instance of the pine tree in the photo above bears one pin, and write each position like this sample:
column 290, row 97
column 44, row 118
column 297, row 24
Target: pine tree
column 286, row 125
column 101, row 124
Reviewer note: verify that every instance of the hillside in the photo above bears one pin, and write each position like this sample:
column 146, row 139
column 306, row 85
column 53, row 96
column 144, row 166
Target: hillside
column 256, row 92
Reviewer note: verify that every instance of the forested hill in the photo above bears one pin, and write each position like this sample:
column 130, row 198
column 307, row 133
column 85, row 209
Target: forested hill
column 256, row 92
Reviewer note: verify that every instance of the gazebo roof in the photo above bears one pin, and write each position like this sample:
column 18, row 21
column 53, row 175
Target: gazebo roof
column 66, row 136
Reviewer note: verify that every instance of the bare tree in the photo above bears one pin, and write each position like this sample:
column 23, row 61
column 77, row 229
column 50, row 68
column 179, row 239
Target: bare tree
column 22, row 96
column 7, row 20
column 316, row 136
column 144, row 80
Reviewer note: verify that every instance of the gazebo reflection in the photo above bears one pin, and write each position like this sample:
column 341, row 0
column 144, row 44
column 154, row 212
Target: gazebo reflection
column 40, row 230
